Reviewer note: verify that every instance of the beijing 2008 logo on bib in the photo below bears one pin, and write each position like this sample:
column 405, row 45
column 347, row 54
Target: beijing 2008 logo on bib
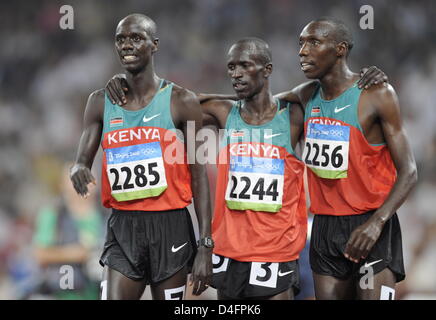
column 255, row 183
column 136, row 172
column 326, row 150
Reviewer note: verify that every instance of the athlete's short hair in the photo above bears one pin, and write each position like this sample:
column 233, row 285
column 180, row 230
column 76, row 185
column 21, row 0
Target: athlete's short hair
column 341, row 31
column 148, row 23
column 258, row 47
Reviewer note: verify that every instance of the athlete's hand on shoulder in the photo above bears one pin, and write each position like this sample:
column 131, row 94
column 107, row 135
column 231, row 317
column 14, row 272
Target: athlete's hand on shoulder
column 116, row 88
column 362, row 239
column 370, row 76
column 81, row 176
column 201, row 276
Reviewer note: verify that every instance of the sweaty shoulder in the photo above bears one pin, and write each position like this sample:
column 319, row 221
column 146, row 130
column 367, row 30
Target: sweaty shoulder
column 184, row 105
column 97, row 96
column 380, row 95
column 183, row 96
column 380, row 91
column 95, row 106
column 215, row 112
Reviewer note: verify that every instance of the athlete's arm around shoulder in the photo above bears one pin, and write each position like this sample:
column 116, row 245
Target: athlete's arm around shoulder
column 301, row 94
column 215, row 111
column 187, row 114
column 185, row 108
column 80, row 172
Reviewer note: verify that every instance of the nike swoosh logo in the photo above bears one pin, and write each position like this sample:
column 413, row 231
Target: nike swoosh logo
column 269, row 136
column 178, row 248
column 145, row 119
column 281, row 274
column 367, row 265
column 340, row 109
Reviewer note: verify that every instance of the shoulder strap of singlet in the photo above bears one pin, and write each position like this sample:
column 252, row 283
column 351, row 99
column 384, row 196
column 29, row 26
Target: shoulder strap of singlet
column 310, row 101
column 165, row 83
column 316, row 91
column 282, row 104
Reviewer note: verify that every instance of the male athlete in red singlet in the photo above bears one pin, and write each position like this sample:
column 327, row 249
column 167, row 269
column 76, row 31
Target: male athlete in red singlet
column 260, row 218
column 361, row 170
column 150, row 238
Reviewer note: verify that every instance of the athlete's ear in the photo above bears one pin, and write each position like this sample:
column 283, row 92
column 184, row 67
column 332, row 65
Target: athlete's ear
column 155, row 45
column 341, row 49
column 268, row 70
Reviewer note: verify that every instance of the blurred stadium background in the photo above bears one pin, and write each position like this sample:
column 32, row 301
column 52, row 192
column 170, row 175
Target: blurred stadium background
column 46, row 75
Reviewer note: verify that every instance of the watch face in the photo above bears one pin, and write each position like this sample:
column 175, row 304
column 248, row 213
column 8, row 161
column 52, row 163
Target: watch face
column 207, row 242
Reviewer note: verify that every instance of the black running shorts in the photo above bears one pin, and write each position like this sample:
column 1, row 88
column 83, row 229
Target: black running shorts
column 149, row 245
column 330, row 235
column 240, row 280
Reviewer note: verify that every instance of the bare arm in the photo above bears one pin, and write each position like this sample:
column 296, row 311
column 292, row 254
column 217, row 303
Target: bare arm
column 212, row 104
column 215, row 112
column 117, row 87
column 80, row 173
column 388, row 109
column 301, row 94
column 297, row 124
column 385, row 102
column 204, row 97
column 190, row 116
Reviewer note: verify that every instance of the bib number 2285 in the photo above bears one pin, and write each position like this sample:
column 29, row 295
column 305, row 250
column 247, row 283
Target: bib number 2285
column 140, row 176
column 136, row 172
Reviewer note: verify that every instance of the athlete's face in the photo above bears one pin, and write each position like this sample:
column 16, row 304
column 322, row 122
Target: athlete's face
column 247, row 72
column 318, row 50
column 134, row 45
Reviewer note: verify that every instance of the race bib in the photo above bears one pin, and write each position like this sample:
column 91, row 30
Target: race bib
column 326, row 150
column 255, row 184
column 136, row 172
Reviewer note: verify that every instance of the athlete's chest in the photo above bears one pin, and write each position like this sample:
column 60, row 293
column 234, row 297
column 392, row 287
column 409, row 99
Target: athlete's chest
column 253, row 119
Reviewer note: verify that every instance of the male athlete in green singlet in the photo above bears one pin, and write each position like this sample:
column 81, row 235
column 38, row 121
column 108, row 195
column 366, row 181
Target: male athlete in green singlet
column 150, row 238
column 361, row 170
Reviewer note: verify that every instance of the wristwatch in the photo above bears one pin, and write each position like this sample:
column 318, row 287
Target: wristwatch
column 207, row 242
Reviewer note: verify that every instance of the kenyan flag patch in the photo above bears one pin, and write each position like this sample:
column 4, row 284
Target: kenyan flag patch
column 316, row 110
column 116, row 122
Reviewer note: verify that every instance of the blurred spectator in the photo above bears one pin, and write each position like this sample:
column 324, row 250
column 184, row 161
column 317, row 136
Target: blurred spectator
column 68, row 233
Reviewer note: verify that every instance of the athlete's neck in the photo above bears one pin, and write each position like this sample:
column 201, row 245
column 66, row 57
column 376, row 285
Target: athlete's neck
column 337, row 80
column 260, row 105
column 142, row 84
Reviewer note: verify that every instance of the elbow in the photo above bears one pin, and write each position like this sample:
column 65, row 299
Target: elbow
column 408, row 176
column 413, row 175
